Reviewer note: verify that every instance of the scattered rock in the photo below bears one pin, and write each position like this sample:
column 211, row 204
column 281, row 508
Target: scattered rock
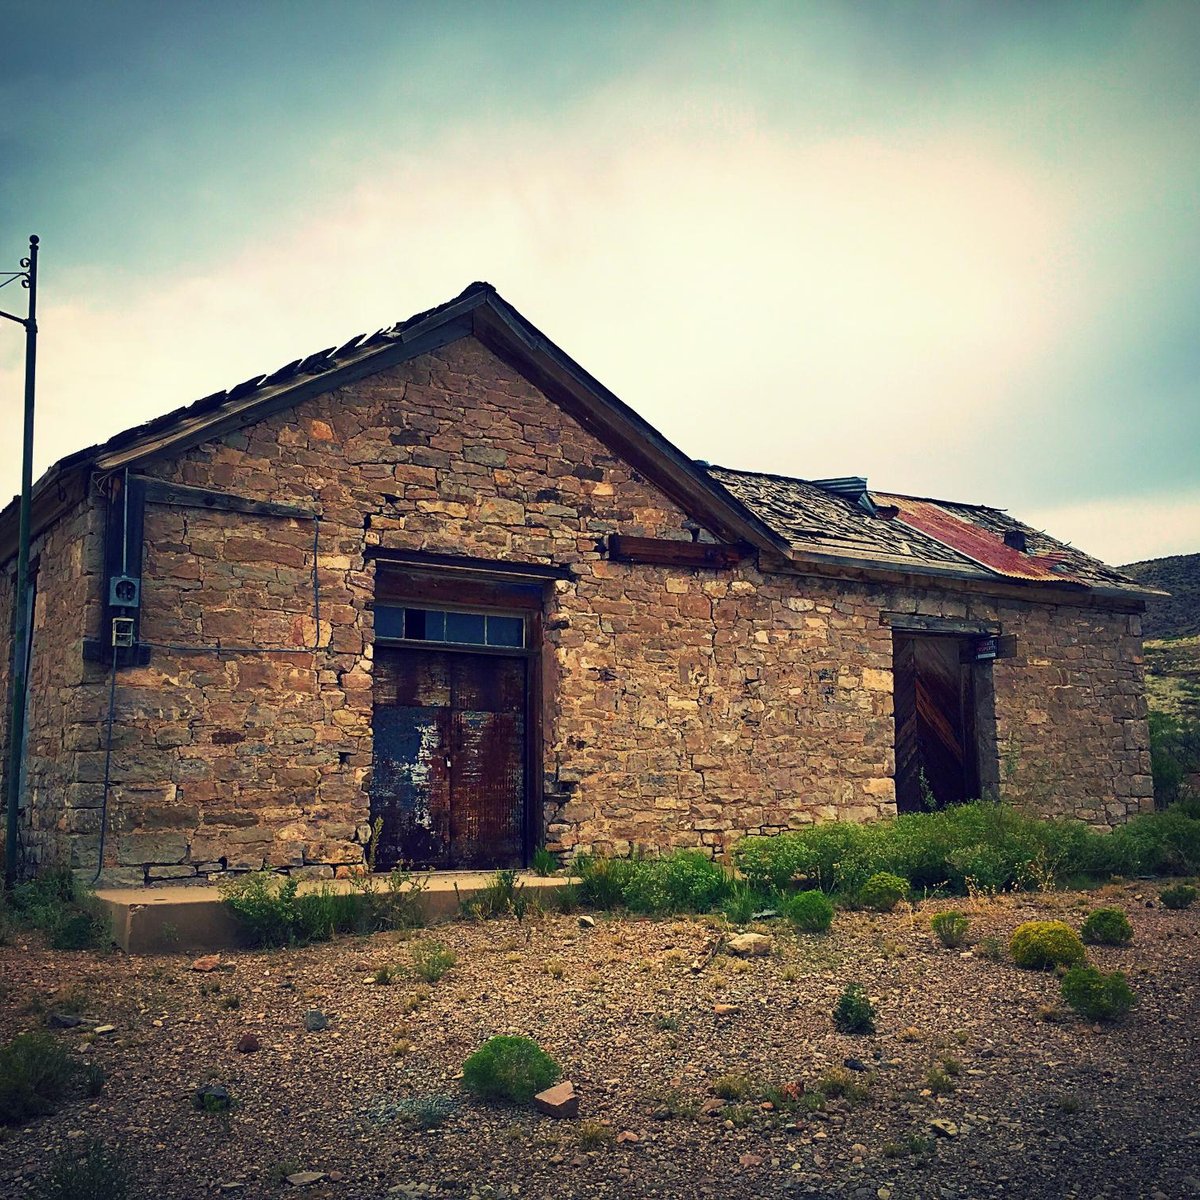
column 560, row 1101
column 207, row 962
column 711, row 1107
column 724, row 1010
column 586, row 922
column 104, row 1030
column 767, row 914
column 750, row 1160
column 248, row 1043
column 944, row 1128
column 749, row 945
column 57, row 1020
column 315, row 1020
column 627, row 1136
column 304, row 1178
column 854, row 1064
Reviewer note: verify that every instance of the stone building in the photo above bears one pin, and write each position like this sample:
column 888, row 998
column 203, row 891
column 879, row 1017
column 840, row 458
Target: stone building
column 440, row 582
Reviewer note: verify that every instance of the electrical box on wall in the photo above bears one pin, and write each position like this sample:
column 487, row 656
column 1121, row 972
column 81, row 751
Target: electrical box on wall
column 124, row 591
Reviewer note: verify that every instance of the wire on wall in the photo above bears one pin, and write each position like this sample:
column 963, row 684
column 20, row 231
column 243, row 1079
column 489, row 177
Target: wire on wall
column 217, row 648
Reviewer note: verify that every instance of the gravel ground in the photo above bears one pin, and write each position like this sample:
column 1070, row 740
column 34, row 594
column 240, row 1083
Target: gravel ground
column 1040, row 1108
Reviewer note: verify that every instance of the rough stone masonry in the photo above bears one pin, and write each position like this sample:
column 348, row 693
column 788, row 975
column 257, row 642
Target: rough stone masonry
column 680, row 706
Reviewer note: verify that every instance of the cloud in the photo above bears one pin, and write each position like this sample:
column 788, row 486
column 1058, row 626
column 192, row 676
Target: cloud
column 956, row 287
column 1128, row 529
column 733, row 284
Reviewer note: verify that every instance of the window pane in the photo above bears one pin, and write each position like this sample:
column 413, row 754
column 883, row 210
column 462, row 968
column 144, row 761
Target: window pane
column 464, row 627
column 505, row 631
column 389, row 621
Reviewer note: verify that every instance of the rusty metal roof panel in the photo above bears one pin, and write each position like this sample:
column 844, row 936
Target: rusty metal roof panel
column 981, row 545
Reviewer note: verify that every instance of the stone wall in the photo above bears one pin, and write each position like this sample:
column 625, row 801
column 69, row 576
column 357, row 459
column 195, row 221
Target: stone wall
column 681, row 707
column 59, row 802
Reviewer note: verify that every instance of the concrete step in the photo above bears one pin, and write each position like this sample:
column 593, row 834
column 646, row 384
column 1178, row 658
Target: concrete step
column 167, row 919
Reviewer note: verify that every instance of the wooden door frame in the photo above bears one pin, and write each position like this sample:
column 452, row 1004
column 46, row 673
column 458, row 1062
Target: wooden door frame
column 969, row 715
column 478, row 589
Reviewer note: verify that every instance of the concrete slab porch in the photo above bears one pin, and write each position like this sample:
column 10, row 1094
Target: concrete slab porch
column 167, row 920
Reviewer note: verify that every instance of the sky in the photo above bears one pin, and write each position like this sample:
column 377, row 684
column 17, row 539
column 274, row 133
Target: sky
column 951, row 247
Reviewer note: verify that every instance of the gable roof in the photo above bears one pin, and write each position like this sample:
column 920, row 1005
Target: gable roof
column 478, row 311
column 791, row 519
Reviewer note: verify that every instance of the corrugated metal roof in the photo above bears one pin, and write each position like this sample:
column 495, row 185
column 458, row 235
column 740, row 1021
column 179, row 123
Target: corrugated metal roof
column 980, row 545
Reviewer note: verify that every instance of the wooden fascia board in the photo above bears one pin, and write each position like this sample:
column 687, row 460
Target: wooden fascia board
column 869, row 572
column 56, row 493
column 503, row 331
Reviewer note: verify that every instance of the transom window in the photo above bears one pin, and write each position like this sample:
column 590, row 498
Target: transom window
column 395, row 623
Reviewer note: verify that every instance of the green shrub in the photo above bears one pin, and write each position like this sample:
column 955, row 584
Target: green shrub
column 431, row 960
column 883, row 891
column 939, row 1082
column 602, row 880
column 811, row 912
column 1096, row 996
column 62, row 908
column 1107, row 927
column 395, row 905
column 854, row 1012
column 271, row 910
column 990, row 948
column 35, row 1072
column 97, row 1174
column 566, row 898
column 684, row 881
column 503, row 895
column 834, row 856
column 733, row 1087
column 425, row 1112
column 264, row 905
column 950, row 928
column 213, row 1098
column 742, row 902
column 1174, row 754
column 839, row 1083
column 509, row 1068
column 1043, row 945
column 1180, row 895
column 543, row 862
column 982, row 846
column 323, row 913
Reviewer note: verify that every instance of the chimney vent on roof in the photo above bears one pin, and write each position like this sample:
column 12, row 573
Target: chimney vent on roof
column 1014, row 539
column 849, row 487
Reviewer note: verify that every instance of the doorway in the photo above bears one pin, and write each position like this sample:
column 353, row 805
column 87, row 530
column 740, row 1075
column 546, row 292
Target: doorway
column 936, row 713
column 449, row 778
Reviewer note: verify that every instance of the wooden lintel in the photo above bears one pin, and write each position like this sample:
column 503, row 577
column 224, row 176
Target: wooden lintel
column 667, row 552
column 917, row 623
column 160, row 492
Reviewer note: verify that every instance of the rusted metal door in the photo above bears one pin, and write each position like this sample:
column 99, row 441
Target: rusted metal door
column 449, row 769
column 936, row 757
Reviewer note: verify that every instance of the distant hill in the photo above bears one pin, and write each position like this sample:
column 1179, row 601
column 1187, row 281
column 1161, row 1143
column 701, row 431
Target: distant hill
column 1171, row 627
column 1177, row 615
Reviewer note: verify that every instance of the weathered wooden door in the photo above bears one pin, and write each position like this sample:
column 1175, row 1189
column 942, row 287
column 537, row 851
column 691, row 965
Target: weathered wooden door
column 936, row 757
column 448, row 779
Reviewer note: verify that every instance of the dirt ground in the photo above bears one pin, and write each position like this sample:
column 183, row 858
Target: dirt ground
column 1039, row 1107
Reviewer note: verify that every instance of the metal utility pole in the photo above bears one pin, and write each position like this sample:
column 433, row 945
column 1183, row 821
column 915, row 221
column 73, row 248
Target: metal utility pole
column 20, row 656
